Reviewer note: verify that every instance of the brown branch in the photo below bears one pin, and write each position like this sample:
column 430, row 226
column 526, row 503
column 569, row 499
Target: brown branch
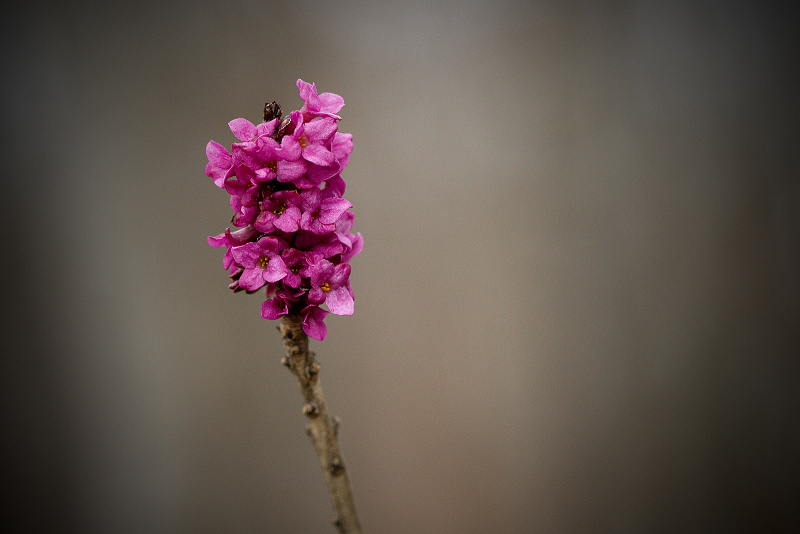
column 322, row 428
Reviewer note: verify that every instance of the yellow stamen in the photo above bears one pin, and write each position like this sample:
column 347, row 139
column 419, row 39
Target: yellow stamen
column 263, row 261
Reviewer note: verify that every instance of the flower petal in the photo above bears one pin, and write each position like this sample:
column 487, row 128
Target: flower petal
column 330, row 103
column 220, row 240
column 289, row 221
column 313, row 322
column 319, row 155
column 243, row 129
column 246, row 255
column 340, row 302
column 289, row 171
column 308, row 91
column 252, row 279
column 340, row 275
column 274, row 308
column 318, row 174
column 355, row 249
column 290, row 148
column 276, row 269
column 220, row 163
column 320, row 130
column 332, row 208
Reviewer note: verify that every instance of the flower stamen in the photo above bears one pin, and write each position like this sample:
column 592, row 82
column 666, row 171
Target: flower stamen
column 263, row 261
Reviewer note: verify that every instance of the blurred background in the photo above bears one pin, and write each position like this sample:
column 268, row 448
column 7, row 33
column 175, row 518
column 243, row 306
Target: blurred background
column 577, row 309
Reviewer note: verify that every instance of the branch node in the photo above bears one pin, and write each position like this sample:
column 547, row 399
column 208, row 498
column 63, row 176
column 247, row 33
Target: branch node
column 310, row 409
column 313, row 369
column 337, row 466
column 337, row 421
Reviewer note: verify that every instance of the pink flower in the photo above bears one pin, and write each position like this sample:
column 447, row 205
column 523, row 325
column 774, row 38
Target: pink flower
column 282, row 211
column 313, row 323
column 324, row 105
column 254, row 157
column 220, row 163
column 293, row 259
column 311, row 141
column 352, row 243
column 321, row 211
column 286, row 193
column 231, row 239
column 275, row 308
column 283, row 301
column 261, row 261
column 246, row 132
column 330, row 284
column 326, row 246
column 244, row 201
column 342, row 147
column 306, row 159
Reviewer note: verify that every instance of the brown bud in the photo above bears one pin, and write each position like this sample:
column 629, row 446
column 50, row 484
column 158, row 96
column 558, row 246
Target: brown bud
column 272, row 111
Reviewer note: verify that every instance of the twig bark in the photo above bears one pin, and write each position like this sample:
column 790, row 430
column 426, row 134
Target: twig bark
column 322, row 428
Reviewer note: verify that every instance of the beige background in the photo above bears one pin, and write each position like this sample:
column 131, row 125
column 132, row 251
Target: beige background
column 577, row 309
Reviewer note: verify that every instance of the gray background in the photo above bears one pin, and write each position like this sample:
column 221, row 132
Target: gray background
column 577, row 308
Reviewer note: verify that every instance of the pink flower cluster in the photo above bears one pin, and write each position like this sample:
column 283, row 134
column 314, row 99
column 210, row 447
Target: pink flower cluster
column 293, row 225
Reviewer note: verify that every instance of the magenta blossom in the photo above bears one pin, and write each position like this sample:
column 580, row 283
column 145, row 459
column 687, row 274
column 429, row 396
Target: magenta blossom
column 294, row 242
column 282, row 211
column 230, row 239
column 262, row 262
column 327, row 245
column 311, row 140
column 313, row 322
column 341, row 147
column 330, row 284
column 293, row 259
column 247, row 132
column 324, row 105
column 275, row 308
column 220, row 163
column 245, row 205
column 321, row 211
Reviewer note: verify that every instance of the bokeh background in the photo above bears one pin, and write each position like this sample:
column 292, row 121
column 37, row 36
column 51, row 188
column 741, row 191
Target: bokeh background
column 577, row 309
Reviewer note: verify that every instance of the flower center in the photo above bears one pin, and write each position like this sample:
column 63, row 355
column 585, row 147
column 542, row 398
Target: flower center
column 271, row 165
column 263, row 261
column 295, row 268
column 278, row 211
column 303, row 140
column 325, row 287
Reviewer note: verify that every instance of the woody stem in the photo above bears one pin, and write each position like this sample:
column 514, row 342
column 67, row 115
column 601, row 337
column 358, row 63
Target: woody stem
column 322, row 428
